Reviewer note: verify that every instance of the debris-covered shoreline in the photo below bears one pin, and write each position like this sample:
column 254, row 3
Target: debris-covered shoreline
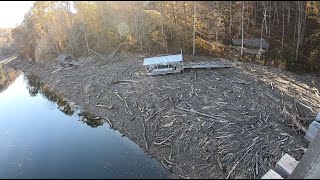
column 233, row 122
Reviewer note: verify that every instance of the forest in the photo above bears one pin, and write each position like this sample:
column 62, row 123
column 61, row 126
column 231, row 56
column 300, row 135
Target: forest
column 82, row 28
column 156, row 27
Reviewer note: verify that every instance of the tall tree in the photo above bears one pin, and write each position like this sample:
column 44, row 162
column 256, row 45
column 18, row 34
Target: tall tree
column 194, row 28
column 242, row 28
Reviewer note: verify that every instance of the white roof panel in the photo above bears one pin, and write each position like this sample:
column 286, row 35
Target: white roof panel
column 162, row 59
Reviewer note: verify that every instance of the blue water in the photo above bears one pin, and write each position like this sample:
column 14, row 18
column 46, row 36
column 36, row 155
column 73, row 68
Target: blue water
column 37, row 140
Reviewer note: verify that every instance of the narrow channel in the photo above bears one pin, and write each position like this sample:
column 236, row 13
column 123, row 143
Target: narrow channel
column 40, row 138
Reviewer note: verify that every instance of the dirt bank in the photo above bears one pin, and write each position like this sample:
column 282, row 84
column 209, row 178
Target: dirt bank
column 218, row 123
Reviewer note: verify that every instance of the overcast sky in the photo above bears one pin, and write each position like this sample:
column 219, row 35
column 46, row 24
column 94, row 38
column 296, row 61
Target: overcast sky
column 12, row 12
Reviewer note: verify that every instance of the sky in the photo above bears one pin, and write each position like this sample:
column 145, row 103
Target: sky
column 12, row 12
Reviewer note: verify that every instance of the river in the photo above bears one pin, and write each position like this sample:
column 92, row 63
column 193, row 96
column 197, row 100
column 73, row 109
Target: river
column 41, row 138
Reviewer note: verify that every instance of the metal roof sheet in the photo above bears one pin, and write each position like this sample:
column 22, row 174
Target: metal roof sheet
column 163, row 59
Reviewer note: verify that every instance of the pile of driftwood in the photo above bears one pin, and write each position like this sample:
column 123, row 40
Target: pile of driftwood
column 231, row 122
column 66, row 60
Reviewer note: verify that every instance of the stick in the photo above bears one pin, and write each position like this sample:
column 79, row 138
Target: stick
column 97, row 54
column 124, row 102
column 144, row 134
column 163, row 140
column 116, row 50
column 119, row 81
column 109, row 121
column 154, row 114
column 106, row 106
column 168, row 161
column 240, row 160
column 206, row 115
column 101, row 92
column 101, row 84
column 56, row 70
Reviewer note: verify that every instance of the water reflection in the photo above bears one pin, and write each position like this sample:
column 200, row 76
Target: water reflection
column 7, row 77
column 91, row 120
column 35, row 86
column 40, row 142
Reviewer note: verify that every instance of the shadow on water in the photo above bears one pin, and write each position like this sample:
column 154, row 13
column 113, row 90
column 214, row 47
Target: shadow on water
column 36, row 86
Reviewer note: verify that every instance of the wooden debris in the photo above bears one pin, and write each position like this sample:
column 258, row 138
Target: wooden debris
column 196, row 112
column 205, row 64
column 249, row 148
column 97, row 54
column 144, row 134
column 105, row 106
column 124, row 102
column 160, row 143
column 56, row 70
column 114, row 52
column 101, row 92
column 120, row 81
column 155, row 114
column 109, row 122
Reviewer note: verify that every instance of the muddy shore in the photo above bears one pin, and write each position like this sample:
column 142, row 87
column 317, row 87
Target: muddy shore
column 236, row 122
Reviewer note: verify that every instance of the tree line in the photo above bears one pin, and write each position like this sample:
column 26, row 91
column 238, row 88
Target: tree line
column 84, row 27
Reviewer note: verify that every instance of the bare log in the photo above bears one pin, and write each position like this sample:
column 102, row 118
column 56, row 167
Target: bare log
column 97, row 54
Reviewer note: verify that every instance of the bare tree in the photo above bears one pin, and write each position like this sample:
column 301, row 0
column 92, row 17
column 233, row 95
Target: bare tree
column 230, row 19
column 194, row 29
column 242, row 28
column 299, row 28
column 264, row 20
column 282, row 25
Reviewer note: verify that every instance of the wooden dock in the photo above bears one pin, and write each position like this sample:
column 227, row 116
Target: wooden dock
column 205, row 64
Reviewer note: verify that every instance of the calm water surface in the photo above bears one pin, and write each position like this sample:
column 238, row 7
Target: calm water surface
column 39, row 139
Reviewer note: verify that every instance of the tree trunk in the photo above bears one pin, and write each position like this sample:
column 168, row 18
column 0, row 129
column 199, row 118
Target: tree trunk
column 208, row 23
column 85, row 37
column 266, row 22
column 299, row 29
column 264, row 19
column 194, row 29
column 230, row 20
column 269, row 17
column 304, row 21
column 185, row 24
column 255, row 12
column 242, row 29
column 288, row 5
column 282, row 25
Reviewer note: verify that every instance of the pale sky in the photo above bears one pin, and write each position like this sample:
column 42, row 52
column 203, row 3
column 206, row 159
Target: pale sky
column 12, row 12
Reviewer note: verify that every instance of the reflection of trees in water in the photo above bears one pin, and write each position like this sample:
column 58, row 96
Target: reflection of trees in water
column 7, row 77
column 90, row 120
column 52, row 96
column 35, row 86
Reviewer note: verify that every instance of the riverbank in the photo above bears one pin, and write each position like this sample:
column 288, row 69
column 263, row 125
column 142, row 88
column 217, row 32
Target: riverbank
column 218, row 123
